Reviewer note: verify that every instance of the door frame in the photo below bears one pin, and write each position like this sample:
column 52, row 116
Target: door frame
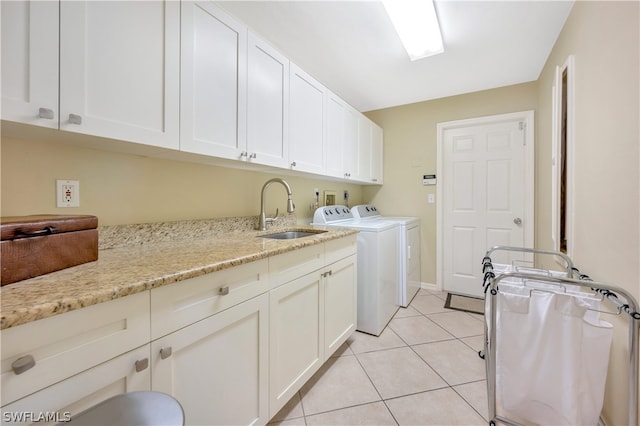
column 527, row 117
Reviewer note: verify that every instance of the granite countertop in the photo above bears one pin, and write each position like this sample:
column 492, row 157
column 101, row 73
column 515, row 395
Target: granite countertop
column 125, row 270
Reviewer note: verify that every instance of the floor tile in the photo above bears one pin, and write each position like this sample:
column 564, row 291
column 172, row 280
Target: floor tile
column 363, row 342
column 396, row 372
column 454, row 361
column 437, row 407
column 429, row 304
column 416, row 330
column 474, row 342
column 440, row 294
column 476, row 395
column 343, row 350
column 300, row 421
column 292, row 409
column 409, row 311
column 341, row 382
column 460, row 324
column 375, row 413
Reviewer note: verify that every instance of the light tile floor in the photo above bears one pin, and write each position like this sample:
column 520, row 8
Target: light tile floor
column 423, row 369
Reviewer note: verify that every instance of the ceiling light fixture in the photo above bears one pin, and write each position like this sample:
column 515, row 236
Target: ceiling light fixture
column 417, row 26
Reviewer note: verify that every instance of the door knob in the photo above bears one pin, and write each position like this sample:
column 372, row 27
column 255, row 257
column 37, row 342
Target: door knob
column 517, row 221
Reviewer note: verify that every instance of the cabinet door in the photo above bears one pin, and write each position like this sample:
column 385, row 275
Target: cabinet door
column 296, row 311
column 340, row 295
column 84, row 390
column 119, row 70
column 364, row 149
column 217, row 367
column 306, row 122
column 267, row 105
column 336, row 136
column 350, row 148
column 376, row 154
column 30, row 62
column 213, row 81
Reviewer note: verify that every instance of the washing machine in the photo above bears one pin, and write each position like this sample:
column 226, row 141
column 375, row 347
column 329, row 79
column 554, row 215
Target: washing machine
column 378, row 267
column 409, row 280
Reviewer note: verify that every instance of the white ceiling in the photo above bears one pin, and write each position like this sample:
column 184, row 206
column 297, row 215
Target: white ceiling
column 352, row 48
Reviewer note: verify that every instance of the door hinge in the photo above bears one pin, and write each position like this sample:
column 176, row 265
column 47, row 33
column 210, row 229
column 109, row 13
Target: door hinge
column 522, row 126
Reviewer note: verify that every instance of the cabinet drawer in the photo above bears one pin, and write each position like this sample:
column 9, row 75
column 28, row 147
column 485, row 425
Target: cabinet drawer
column 67, row 344
column 289, row 266
column 177, row 305
column 72, row 396
column 340, row 248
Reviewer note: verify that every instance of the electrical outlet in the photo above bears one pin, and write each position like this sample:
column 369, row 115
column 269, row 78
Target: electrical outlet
column 67, row 193
column 345, row 195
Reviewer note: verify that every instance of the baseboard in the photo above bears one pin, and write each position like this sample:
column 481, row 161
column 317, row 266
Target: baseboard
column 428, row 286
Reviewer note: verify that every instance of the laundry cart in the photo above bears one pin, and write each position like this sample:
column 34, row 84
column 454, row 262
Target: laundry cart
column 546, row 343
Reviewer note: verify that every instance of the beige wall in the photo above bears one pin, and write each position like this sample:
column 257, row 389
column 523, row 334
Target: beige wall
column 605, row 41
column 122, row 188
column 604, row 38
column 410, row 141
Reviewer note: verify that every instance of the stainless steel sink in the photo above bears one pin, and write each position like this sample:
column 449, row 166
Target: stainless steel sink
column 291, row 235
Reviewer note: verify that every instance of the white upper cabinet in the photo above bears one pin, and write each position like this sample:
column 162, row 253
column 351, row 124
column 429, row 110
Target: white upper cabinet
column 267, row 105
column 376, row 154
column 336, row 136
column 369, row 152
column 119, row 70
column 30, row 62
column 306, row 122
column 213, row 82
column 363, row 172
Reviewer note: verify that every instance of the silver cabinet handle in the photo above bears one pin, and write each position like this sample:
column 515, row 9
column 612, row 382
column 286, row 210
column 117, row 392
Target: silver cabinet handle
column 142, row 364
column 326, row 274
column 293, row 164
column 166, row 352
column 347, row 175
column 23, row 364
column 223, row 291
column 253, row 155
column 75, row 119
column 374, row 180
column 45, row 113
column 517, row 221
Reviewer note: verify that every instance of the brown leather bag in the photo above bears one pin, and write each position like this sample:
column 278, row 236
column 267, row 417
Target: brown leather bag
column 39, row 244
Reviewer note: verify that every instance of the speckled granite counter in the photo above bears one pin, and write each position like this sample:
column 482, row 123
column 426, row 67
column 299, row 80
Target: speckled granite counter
column 140, row 266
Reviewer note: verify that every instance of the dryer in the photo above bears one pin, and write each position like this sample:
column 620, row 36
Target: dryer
column 409, row 280
column 377, row 265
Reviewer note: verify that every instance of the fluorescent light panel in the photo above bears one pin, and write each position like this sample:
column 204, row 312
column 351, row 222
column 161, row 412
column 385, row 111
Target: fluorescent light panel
column 417, row 26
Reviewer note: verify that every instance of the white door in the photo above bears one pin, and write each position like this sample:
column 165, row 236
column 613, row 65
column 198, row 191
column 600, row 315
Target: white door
column 486, row 170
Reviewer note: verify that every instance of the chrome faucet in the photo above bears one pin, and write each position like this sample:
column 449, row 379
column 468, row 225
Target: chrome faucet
column 264, row 220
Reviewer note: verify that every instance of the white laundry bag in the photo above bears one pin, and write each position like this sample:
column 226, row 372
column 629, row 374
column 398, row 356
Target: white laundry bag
column 552, row 355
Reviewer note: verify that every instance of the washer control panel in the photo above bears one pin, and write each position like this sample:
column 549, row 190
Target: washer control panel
column 328, row 214
column 365, row 210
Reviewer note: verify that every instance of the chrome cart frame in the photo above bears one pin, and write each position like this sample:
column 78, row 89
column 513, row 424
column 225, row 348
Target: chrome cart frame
column 605, row 291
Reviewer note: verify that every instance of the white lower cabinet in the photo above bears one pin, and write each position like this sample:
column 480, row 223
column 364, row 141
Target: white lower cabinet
column 232, row 346
column 340, row 301
column 57, row 403
column 296, row 347
column 310, row 317
column 217, row 367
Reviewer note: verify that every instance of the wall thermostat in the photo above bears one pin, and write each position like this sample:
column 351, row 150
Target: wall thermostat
column 429, row 179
